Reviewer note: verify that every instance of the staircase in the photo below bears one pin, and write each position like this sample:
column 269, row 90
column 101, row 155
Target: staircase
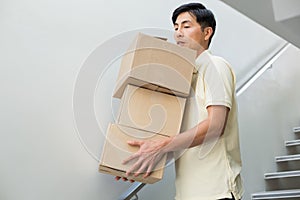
column 279, row 16
column 286, row 182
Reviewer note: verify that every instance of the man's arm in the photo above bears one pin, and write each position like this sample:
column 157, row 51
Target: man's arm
column 151, row 152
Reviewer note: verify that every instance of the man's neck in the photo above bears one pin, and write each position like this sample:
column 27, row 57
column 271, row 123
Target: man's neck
column 200, row 51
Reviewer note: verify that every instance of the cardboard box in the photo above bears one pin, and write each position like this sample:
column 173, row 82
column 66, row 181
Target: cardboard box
column 116, row 150
column 152, row 63
column 151, row 111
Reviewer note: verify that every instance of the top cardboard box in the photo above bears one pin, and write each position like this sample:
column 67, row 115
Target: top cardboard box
column 157, row 65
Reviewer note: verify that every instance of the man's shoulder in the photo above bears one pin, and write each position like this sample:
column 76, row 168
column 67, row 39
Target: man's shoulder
column 222, row 66
column 210, row 61
column 220, row 60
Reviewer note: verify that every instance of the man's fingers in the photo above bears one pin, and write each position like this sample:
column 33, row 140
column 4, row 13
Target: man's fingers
column 124, row 179
column 134, row 167
column 133, row 156
column 135, row 143
column 149, row 170
column 141, row 170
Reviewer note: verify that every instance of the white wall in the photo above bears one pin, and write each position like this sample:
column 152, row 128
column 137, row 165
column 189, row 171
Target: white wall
column 45, row 47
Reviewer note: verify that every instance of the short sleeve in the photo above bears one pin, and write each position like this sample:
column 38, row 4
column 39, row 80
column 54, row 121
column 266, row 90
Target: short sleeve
column 219, row 83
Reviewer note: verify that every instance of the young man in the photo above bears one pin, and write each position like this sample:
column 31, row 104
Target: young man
column 208, row 160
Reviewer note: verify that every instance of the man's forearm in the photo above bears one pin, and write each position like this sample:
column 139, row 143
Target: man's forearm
column 187, row 139
column 211, row 128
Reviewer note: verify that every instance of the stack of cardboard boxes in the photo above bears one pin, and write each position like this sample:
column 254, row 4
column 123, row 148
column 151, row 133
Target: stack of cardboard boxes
column 154, row 80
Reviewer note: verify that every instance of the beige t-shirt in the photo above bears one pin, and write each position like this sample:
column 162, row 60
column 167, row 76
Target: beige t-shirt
column 211, row 170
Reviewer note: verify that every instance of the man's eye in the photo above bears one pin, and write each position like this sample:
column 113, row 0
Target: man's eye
column 186, row 26
column 175, row 29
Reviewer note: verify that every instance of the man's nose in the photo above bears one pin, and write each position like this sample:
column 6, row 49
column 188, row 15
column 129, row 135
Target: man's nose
column 179, row 33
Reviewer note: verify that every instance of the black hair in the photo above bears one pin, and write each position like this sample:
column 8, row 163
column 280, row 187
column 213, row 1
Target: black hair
column 203, row 16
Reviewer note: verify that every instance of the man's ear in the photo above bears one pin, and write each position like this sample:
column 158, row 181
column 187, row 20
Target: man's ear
column 208, row 31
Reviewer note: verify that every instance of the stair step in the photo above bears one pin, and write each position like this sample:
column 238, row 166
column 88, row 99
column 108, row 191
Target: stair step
column 292, row 143
column 277, row 194
column 296, row 129
column 283, row 174
column 287, row 158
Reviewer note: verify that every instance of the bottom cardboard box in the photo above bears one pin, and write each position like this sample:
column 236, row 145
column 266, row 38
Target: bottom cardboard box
column 116, row 150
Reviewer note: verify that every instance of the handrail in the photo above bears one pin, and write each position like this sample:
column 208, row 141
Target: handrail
column 261, row 70
column 132, row 191
column 136, row 187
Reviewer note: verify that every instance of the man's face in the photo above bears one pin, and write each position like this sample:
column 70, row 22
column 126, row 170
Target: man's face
column 188, row 33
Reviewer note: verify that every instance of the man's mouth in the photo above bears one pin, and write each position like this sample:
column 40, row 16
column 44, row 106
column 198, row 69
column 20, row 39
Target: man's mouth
column 180, row 43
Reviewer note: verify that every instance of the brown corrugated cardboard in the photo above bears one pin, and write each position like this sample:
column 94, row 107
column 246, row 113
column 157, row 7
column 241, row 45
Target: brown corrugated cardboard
column 116, row 150
column 152, row 60
column 152, row 111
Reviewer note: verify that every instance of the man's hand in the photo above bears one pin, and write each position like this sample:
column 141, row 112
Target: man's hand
column 147, row 157
column 123, row 178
